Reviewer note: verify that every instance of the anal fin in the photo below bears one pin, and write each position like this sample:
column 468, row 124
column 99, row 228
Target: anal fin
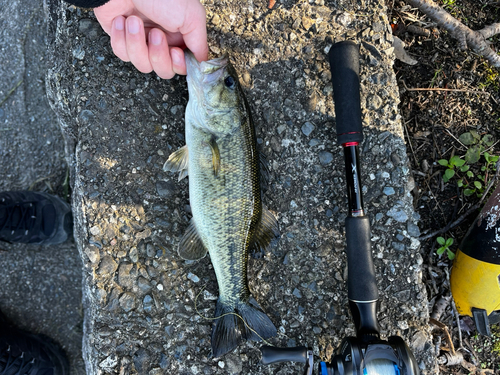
column 267, row 233
column 191, row 246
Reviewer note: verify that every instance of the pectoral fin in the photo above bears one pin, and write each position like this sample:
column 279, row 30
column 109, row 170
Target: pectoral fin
column 191, row 246
column 215, row 155
column 267, row 232
column 178, row 162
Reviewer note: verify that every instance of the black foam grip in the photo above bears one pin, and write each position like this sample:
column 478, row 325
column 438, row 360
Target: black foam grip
column 344, row 65
column 361, row 284
column 271, row 354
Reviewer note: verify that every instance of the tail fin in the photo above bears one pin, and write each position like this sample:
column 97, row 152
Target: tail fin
column 230, row 329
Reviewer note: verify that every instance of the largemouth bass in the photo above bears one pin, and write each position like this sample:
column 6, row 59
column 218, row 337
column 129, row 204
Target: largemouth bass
column 229, row 219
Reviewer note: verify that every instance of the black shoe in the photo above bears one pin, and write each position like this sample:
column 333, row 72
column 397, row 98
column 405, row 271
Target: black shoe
column 23, row 353
column 31, row 217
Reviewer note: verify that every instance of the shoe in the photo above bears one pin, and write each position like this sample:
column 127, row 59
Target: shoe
column 35, row 218
column 23, row 353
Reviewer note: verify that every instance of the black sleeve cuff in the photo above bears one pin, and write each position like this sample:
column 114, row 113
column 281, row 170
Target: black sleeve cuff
column 87, row 3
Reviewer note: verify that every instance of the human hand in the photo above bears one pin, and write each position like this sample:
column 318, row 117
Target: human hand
column 151, row 34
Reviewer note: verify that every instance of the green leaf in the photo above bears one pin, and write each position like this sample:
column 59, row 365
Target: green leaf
column 449, row 173
column 449, row 242
column 455, row 160
column 465, row 168
column 460, row 183
column 441, row 240
column 470, row 174
column 475, row 134
column 440, row 250
column 478, row 185
column 473, row 154
column 488, row 140
column 451, row 255
column 483, row 168
column 467, row 139
column 468, row 192
column 443, row 162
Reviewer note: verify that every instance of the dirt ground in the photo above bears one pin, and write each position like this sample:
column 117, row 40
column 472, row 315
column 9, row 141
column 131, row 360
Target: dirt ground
column 434, row 120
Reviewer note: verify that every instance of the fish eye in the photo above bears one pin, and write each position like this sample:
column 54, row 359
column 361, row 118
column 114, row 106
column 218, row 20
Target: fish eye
column 229, row 82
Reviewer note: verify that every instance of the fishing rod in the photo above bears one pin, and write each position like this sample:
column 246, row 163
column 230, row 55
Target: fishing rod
column 367, row 353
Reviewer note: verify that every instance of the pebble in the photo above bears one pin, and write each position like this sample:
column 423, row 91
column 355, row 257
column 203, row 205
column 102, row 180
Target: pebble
column 297, row 293
column 413, row 230
column 166, row 189
column 107, row 266
column 193, row 277
column 398, row 214
column 307, row 128
column 127, row 301
column 147, row 303
column 325, row 157
column 389, row 190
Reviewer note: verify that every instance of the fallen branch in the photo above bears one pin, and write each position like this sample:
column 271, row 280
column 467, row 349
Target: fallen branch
column 476, row 40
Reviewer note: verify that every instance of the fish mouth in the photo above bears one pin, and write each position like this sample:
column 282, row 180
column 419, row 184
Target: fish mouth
column 200, row 75
column 206, row 72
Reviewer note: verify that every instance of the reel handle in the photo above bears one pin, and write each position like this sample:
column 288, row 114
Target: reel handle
column 271, row 354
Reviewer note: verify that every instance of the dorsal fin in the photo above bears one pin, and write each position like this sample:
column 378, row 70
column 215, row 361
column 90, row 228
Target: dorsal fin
column 178, row 162
column 267, row 233
column 191, row 246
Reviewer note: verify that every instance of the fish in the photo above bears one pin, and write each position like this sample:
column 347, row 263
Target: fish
column 229, row 220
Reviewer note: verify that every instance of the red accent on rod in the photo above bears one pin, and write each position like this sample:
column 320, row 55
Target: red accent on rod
column 348, row 144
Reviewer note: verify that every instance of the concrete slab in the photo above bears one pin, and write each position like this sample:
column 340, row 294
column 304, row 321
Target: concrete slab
column 139, row 296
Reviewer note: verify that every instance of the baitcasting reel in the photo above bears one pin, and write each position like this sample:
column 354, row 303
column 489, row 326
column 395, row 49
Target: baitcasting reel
column 365, row 354
column 354, row 357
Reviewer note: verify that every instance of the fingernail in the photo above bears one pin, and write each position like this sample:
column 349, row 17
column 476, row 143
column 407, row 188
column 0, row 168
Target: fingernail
column 133, row 25
column 119, row 23
column 176, row 58
column 155, row 37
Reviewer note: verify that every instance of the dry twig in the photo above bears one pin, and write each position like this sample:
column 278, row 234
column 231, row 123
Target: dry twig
column 476, row 40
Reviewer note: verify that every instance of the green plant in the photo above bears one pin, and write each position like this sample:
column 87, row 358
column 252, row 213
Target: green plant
column 454, row 161
column 481, row 180
column 477, row 145
column 445, row 246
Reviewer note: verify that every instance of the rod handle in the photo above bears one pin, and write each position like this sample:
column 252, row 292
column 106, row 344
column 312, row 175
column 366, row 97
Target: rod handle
column 344, row 66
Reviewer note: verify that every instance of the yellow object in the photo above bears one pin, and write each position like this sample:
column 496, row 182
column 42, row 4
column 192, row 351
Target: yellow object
column 475, row 283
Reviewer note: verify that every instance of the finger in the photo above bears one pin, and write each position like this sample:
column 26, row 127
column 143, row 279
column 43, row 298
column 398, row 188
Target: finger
column 137, row 49
column 159, row 55
column 194, row 32
column 178, row 61
column 118, row 38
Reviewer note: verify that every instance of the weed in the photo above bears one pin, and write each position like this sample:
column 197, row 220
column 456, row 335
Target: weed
column 454, row 161
column 445, row 246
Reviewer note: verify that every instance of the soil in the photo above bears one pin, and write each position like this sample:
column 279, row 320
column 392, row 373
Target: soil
column 433, row 123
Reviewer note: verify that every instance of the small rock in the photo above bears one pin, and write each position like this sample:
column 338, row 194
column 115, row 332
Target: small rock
column 147, row 303
column 307, row 23
column 297, row 293
column 110, row 362
column 125, row 278
column 166, row 189
column 193, row 277
column 389, row 190
column 86, row 116
column 413, row 230
column 307, row 128
column 134, row 255
column 92, row 253
column 398, row 214
column 325, row 157
column 127, row 301
column 107, row 266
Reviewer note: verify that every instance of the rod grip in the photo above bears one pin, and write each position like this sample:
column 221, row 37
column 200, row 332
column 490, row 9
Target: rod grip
column 271, row 354
column 361, row 284
column 344, row 66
